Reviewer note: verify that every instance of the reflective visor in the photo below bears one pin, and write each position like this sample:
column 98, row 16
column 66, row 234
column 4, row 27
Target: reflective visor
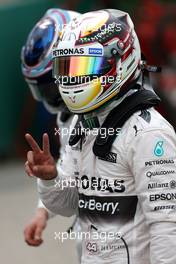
column 39, row 42
column 80, row 66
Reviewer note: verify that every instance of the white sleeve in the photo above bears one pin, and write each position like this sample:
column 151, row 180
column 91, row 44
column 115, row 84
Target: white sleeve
column 152, row 158
column 60, row 195
column 41, row 205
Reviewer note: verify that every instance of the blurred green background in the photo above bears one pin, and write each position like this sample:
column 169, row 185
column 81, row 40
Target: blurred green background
column 16, row 105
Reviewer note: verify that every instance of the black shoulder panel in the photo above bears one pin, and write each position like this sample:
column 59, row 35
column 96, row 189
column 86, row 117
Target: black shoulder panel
column 140, row 100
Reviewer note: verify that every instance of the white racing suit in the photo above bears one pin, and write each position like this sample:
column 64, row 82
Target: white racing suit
column 127, row 201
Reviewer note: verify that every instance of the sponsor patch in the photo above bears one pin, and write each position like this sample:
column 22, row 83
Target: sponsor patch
column 97, row 206
column 110, row 157
column 107, row 206
column 162, row 197
column 145, row 115
column 165, row 207
column 156, row 185
column 150, row 174
column 68, row 52
column 158, row 150
column 159, row 162
column 91, row 247
column 93, row 51
column 136, row 130
column 111, row 247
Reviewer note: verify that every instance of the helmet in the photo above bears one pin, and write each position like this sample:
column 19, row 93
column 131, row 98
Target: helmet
column 36, row 57
column 98, row 57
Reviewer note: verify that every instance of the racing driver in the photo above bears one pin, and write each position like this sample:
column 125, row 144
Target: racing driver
column 121, row 151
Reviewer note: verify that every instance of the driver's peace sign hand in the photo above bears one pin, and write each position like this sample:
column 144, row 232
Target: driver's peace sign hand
column 40, row 162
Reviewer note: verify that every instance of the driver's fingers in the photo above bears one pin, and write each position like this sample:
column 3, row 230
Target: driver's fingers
column 28, row 169
column 30, row 157
column 35, row 147
column 34, row 243
column 38, row 232
column 46, row 144
column 29, row 234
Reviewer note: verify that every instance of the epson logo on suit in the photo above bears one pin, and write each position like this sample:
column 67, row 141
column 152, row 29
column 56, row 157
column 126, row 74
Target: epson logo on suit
column 97, row 51
column 162, row 196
